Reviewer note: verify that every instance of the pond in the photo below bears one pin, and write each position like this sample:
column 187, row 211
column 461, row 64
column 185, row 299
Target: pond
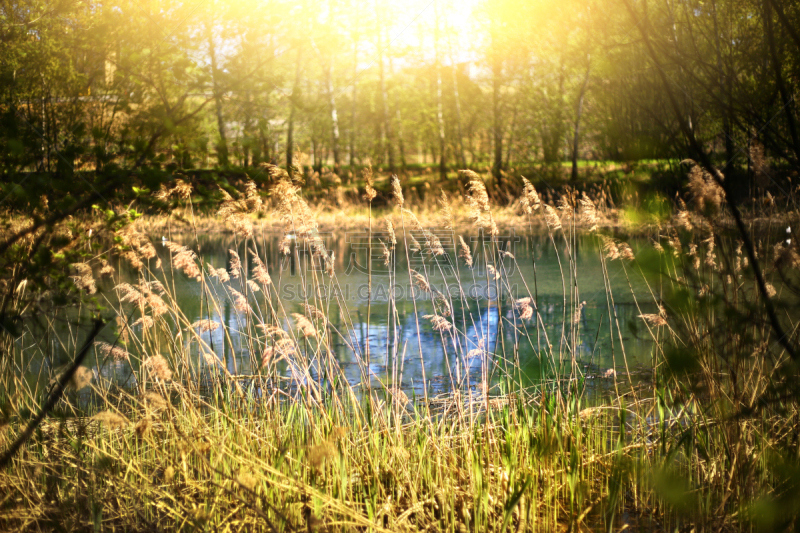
column 601, row 333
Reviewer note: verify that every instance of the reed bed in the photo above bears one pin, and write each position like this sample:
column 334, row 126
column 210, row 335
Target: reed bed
column 191, row 443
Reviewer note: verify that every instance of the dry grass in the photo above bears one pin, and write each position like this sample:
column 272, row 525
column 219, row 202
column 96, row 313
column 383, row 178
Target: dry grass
column 193, row 444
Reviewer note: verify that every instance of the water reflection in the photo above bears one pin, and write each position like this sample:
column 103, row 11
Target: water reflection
column 486, row 328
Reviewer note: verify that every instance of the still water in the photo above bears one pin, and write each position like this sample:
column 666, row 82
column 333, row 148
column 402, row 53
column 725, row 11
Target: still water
column 603, row 335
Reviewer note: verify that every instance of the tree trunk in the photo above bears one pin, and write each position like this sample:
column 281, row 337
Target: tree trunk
column 510, row 142
column 578, row 114
column 387, row 125
column 334, row 120
column 222, row 146
column 462, row 160
column 398, row 116
column 776, row 66
column 353, row 110
column 498, row 126
column 439, row 106
column 290, row 125
column 727, row 131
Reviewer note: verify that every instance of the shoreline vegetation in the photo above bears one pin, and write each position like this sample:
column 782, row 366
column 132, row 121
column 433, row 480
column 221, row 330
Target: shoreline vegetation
column 631, row 204
column 708, row 443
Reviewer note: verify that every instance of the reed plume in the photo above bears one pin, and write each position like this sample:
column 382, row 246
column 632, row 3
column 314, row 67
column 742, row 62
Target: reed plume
column 478, row 202
column 439, row 323
column 626, row 252
column 530, row 200
column 240, row 302
column 464, row 252
column 443, row 303
column 566, row 208
column 390, row 231
column 578, row 314
column 219, row 273
column 314, row 312
column 524, row 307
column 115, row 352
column 204, row 325
column 154, row 400
column 304, row 325
column 588, row 214
column 106, row 270
column 706, row 192
column 420, row 281
column 446, row 212
column 397, row 191
column 129, row 294
column 551, row 218
column 157, row 305
column 158, row 367
column 656, row 320
column 260, row 272
column 81, row 379
column 610, row 248
column 369, row 182
column 184, row 260
column 236, row 264
column 293, row 209
column 110, row 419
column 387, row 254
